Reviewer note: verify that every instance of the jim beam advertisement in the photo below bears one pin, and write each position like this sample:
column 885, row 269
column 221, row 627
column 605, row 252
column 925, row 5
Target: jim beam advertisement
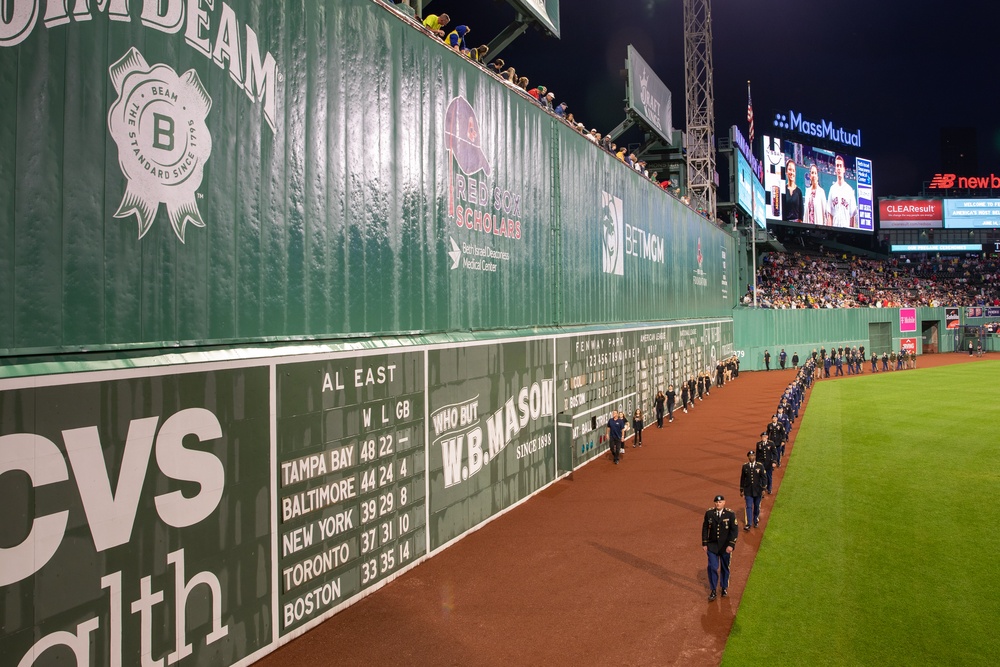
column 351, row 496
column 136, row 522
column 158, row 115
column 491, row 431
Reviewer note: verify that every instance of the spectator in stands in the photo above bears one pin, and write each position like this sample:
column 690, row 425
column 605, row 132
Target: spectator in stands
column 456, row 38
column 478, row 54
column 793, row 280
column 538, row 92
column 497, row 65
column 548, row 99
column 621, row 154
column 560, row 109
column 435, row 23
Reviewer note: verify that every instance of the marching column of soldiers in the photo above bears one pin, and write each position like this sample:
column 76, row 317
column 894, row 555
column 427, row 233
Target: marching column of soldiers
column 832, row 364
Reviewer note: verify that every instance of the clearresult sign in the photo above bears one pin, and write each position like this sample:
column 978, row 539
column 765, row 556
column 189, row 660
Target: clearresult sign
column 911, row 214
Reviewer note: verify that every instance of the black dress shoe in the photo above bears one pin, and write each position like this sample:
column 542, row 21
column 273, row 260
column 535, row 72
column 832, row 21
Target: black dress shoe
column 711, row 596
column 746, row 527
column 725, row 592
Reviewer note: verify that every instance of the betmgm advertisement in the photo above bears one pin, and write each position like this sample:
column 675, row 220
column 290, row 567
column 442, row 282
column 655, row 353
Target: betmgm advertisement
column 817, row 187
column 119, row 498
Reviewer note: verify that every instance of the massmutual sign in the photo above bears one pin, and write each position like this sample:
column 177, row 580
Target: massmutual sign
column 821, row 129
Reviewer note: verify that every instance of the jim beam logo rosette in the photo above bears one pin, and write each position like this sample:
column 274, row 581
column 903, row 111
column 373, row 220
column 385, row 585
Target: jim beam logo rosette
column 158, row 122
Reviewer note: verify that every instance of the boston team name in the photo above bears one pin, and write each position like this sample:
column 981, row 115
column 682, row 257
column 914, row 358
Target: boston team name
column 217, row 36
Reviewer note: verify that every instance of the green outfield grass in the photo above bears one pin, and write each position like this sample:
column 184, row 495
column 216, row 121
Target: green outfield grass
column 882, row 545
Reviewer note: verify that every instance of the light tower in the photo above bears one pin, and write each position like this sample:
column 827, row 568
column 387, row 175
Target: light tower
column 700, row 96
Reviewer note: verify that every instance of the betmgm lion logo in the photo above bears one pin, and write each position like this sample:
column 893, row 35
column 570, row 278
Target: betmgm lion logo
column 158, row 122
column 612, row 235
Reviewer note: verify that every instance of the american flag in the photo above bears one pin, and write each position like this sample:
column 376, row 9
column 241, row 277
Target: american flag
column 750, row 112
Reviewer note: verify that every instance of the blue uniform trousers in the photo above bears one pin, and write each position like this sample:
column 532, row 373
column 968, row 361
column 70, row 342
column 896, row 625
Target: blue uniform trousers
column 715, row 561
column 753, row 509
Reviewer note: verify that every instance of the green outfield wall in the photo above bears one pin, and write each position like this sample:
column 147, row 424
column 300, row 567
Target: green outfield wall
column 174, row 174
column 803, row 330
column 292, row 297
column 207, row 512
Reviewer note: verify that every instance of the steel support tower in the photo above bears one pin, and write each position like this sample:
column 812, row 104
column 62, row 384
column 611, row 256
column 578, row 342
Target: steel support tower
column 699, row 91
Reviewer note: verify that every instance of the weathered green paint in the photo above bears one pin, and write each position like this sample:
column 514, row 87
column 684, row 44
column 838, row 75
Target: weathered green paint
column 341, row 220
column 802, row 330
column 637, row 253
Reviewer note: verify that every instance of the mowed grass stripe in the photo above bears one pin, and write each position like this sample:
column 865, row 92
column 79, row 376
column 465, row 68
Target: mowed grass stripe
column 881, row 546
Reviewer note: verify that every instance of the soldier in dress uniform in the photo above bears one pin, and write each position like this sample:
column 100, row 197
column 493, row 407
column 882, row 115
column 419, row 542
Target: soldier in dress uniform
column 767, row 456
column 753, row 479
column 718, row 539
column 776, row 434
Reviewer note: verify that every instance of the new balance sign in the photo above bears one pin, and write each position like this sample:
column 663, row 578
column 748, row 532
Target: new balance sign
column 948, row 181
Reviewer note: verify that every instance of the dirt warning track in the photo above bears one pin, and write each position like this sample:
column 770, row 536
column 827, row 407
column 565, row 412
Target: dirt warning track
column 604, row 567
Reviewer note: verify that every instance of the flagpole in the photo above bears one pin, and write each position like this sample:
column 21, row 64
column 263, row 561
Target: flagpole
column 753, row 203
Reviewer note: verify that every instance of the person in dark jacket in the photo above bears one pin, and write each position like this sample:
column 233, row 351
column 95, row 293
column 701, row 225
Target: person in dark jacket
column 767, row 456
column 616, row 431
column 637, row 426
column 719, row 531
column 659, row 403
column 753, row 479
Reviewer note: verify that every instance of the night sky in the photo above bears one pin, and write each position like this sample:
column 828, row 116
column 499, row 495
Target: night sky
column 899, row 71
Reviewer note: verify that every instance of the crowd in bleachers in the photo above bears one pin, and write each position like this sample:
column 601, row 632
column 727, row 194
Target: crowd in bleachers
column 794, row 280
column 439, row 26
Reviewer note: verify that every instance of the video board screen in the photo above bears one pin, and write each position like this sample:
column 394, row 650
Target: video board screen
column 817, row 187
column 971, row 213
column 749, row 192
column 937, row 247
